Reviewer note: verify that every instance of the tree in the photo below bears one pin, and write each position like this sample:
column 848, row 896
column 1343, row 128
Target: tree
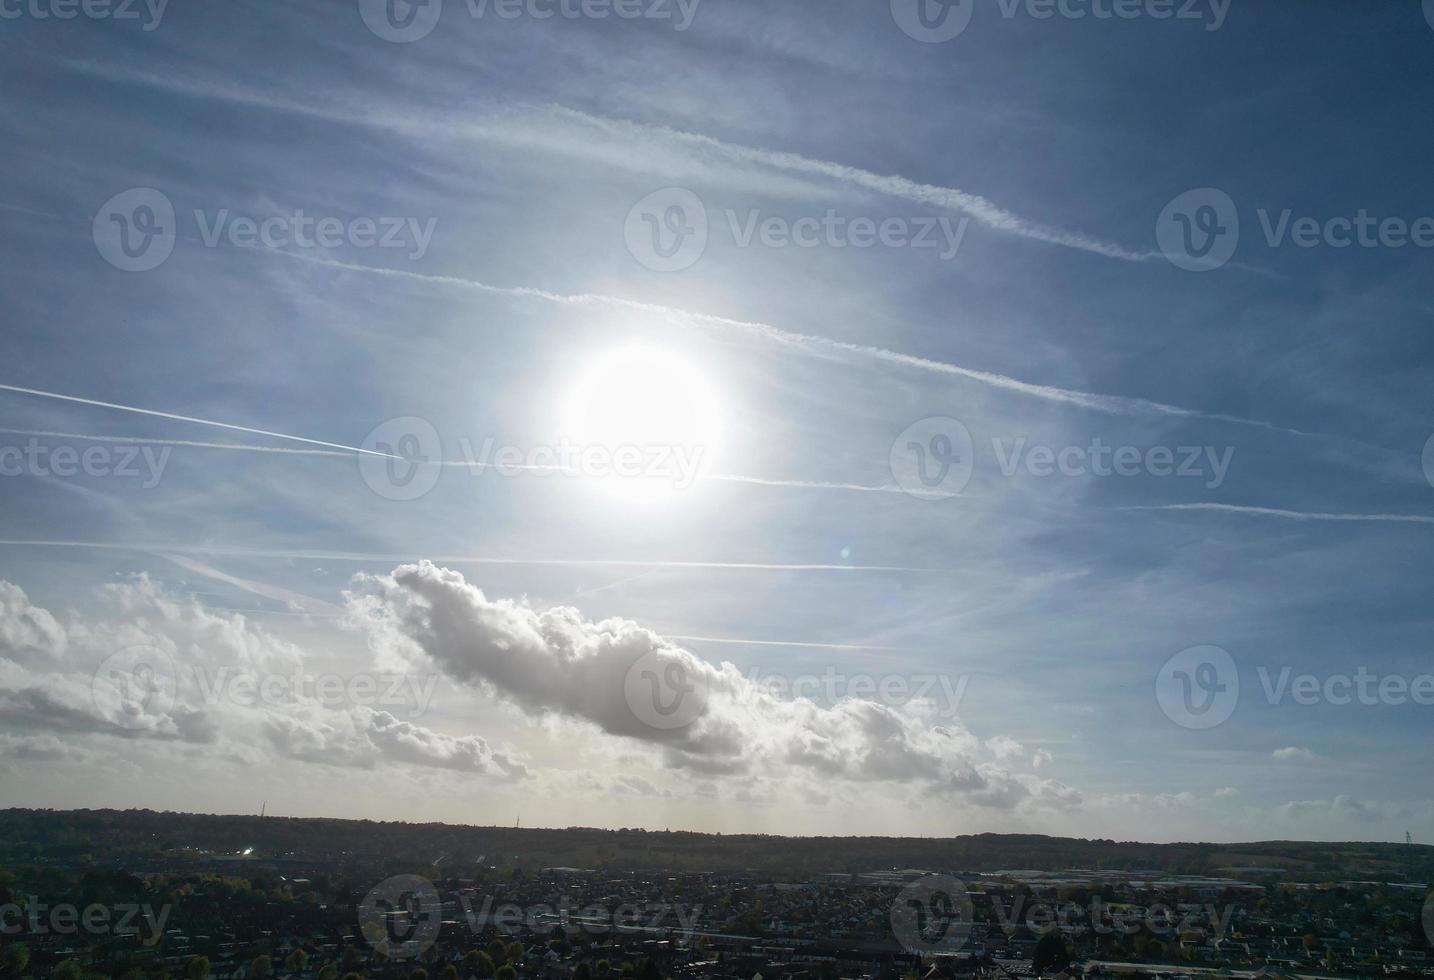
column 14, row 958
column 261, row 967
column 329, row 972
column 477, row 963
column 450, row 972
column 295, row 961
column 1051, row 955
column 197, row 968
column 506, row 972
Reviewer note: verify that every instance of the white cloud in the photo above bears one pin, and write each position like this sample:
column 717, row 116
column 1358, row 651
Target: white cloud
column 555, row 662
column 1004, row 747
column 53, row 682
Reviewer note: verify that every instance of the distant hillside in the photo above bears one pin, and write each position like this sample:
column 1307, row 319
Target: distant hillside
column 130, row 836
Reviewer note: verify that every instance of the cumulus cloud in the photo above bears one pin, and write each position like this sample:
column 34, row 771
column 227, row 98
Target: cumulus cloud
column 145, row 667
column 363, row 737
column 555, row 662
column 27, row 633
column 1004, row 747
column 1293, row 753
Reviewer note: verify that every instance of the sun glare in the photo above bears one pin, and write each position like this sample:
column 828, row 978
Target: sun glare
column 647, row 421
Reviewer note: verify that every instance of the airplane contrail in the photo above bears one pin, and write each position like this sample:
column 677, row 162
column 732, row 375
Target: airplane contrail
column 1122, row 405
column 556, row 128
column 191, row 419
column 1292, row 515
column 190, row 443
column 319, row 555
column 469, row 464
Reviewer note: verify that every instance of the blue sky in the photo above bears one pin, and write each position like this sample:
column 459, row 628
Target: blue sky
column 515, row 162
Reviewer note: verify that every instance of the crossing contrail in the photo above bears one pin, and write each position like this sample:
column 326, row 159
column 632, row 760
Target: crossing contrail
column 76, row 399
column 811, row 344
column 167, row 549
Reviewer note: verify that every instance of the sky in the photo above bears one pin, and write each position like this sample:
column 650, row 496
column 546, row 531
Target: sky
column 840, row 417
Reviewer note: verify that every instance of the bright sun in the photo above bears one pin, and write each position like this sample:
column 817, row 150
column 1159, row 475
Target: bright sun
column 648, row 422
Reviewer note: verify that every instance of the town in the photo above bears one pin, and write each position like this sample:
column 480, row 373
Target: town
column 82, row 908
